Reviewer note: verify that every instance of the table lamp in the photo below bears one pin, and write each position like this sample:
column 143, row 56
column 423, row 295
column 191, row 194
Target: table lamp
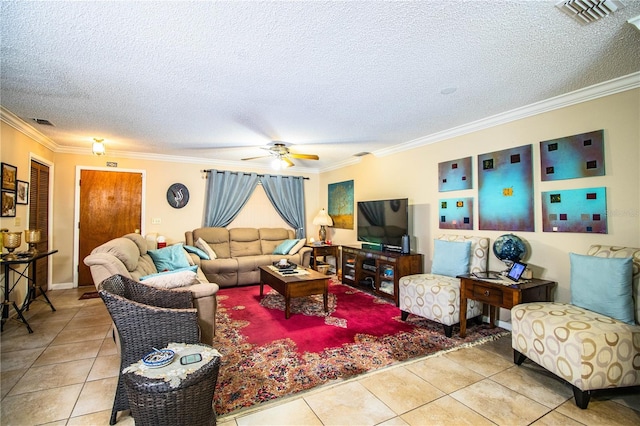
column 11, row 241
column 323, row 219
column 32, row 236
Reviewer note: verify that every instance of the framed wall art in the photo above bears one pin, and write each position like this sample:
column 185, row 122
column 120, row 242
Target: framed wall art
column 22, row 192
column 572, row 157
column 341, row 204
column 454, row 175
column 505, row 190
column 456, row 213
column 575, row 210
column 8, row 203
column 9, row 174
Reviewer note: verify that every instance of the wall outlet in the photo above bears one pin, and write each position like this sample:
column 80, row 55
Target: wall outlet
column 18, row 221
column 156, row 221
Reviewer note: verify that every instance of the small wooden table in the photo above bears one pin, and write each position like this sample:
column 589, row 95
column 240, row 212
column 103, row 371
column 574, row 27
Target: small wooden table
column 296, row 285
column 323, row 251
column 498, row 295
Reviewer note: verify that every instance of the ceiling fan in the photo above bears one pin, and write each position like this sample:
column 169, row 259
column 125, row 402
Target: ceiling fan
column 282, row 156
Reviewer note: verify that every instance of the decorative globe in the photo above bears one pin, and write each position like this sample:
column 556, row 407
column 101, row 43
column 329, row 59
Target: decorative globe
column 509, row 248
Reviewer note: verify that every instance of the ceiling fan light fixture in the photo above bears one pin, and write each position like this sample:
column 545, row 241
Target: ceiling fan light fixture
column 98, row 147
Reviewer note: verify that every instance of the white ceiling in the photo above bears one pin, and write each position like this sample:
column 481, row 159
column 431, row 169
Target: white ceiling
column 216, row 80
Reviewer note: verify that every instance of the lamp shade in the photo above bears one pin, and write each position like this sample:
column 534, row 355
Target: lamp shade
column 322, row 219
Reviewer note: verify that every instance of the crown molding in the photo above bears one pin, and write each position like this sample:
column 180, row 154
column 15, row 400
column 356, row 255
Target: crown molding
column 23, row 127
column 617, row 85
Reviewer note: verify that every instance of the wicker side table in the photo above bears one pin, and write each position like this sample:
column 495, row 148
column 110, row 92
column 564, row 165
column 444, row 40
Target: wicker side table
column 174, row 394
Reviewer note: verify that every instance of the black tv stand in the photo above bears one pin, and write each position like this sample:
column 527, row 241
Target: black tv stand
column 377, row 271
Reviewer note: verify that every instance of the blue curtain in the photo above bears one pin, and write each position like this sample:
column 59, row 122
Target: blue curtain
column 227, row 192
column 286, row 193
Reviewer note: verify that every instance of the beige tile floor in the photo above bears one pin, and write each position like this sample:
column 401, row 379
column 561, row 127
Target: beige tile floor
column 65, row 373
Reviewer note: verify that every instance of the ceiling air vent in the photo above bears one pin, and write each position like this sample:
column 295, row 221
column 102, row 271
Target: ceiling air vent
column 587, row 11
column 42, row 121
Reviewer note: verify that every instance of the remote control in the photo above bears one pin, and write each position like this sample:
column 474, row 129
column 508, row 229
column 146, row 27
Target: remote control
column 190, row 359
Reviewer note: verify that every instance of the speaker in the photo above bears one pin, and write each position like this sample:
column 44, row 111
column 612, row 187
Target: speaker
column 406, row 244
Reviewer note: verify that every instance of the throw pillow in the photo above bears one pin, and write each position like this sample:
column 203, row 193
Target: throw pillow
column 195, row 250
column 296, row 248
column 172, row 279
column 285, row 247
column 204, row 246
column 451, row 258
column 603, row 285
column 169, row 258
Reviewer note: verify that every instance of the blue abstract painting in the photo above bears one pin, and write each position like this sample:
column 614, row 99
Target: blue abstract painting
column 454, row 175
column 572, row 157
column 456, row 213
column 505, row 190
column 575, row 210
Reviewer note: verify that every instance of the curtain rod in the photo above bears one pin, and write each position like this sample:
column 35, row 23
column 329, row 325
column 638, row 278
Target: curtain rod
column 259, row 175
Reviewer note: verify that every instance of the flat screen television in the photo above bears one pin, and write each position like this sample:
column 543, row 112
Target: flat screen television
column 383, row 222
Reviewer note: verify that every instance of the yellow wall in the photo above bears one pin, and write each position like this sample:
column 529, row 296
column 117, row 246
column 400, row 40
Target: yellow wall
column 414, row 174
column 16, row 149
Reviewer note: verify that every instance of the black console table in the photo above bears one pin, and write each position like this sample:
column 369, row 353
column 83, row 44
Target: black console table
column 14, row 265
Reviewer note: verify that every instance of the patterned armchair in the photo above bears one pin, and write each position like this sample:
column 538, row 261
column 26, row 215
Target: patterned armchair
column 437, row 297
column 590, row 350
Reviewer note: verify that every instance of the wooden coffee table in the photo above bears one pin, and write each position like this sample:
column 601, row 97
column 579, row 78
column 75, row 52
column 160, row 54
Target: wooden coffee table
column 296, row 285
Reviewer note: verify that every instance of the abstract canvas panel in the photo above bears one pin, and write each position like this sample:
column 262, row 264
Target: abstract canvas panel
column 573, row 157
column 341, row 204
column 456, row 213
column 454, row 175
column 575, row 210
column 505, row 190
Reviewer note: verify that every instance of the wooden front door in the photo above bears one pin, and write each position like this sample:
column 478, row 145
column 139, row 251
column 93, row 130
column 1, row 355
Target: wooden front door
column 110, row 207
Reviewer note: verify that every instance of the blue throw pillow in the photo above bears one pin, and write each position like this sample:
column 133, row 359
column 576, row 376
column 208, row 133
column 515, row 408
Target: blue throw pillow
column 285, row 247
column 195, row 250
column 169, row 258
column 451, row 258
column 603, row 285
column 193, row 268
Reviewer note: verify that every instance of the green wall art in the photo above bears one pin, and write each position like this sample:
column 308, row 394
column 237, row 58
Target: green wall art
column 575, row 210
column 341, row 204
column 456, row 213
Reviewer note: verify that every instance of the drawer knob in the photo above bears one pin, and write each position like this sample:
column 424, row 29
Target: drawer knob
column 486, row 292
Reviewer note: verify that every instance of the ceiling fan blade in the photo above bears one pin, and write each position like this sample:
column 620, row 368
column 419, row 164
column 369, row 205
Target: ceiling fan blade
column 253, row 158
column 289, row 162
column 304, row 156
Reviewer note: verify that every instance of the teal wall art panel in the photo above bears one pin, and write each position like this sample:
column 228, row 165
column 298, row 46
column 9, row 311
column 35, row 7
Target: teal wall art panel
column 456, row 213
column 575, row 210
column 572, row 157
column 454, row 175
column 505, row 190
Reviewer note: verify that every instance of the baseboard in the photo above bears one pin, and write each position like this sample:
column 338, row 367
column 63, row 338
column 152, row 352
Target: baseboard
column 61, row 286
column 502, row 324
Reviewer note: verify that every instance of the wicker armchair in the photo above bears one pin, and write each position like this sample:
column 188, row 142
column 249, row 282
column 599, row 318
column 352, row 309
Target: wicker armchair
column 145, row 317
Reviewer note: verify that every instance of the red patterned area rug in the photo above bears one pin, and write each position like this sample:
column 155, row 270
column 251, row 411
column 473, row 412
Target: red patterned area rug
column 265, row 356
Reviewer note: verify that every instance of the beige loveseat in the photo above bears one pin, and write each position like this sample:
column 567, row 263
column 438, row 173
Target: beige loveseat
column 127, row 256
column 241, row 251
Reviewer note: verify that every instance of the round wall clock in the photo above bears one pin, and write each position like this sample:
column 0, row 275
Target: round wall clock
column 177, row 195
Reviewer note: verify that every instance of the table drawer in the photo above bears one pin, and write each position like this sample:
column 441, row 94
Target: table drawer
column 490, row 295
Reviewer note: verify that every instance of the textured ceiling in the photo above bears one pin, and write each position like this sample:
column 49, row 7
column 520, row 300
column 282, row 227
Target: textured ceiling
column 216, row 80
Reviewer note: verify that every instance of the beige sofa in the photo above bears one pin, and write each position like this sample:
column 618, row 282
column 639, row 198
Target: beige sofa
column 241, row 251
column 127, row 256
